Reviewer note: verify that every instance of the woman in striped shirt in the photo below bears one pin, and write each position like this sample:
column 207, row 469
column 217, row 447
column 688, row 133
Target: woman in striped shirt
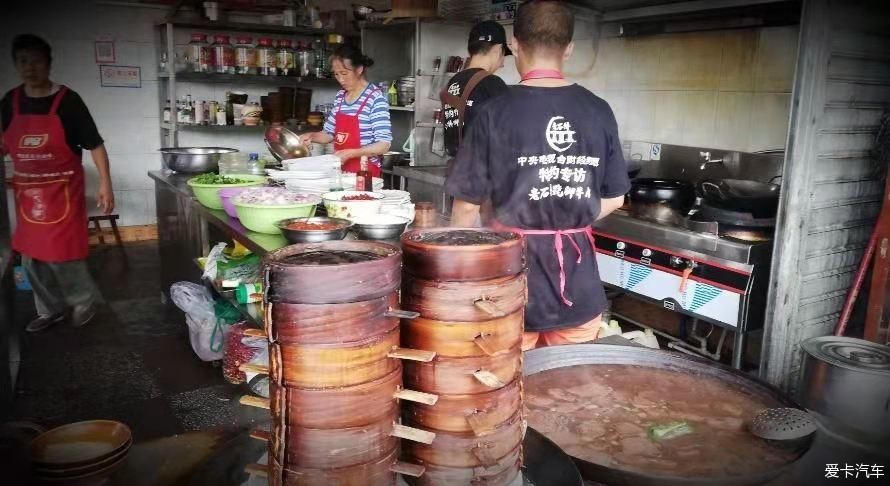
column 359, row 124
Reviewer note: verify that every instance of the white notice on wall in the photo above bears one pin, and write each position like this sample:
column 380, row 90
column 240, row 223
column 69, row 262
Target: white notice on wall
column 120, row 76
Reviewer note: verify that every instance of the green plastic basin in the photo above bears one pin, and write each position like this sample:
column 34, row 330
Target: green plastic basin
column 263, row 219
column 208, row 194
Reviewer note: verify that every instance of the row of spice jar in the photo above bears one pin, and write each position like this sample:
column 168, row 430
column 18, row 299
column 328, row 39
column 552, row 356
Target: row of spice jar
column 268, row 57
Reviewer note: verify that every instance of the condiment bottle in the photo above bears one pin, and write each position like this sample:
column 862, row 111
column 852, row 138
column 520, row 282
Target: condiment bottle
column 199, row 54
column 363, row 181
column 199, row 112
column 245, row 56
column 223, row 55
column 424, row 215
column 285, row 58
column 230, row 109
column 265, row 57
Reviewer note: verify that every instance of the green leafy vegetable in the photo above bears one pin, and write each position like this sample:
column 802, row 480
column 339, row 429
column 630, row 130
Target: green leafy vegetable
column 670, row 430
column 217, row 179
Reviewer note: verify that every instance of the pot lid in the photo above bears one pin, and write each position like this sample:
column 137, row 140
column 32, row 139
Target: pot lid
column 851, row 353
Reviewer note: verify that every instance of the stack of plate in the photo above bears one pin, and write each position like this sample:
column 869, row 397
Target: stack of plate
column 80, row 452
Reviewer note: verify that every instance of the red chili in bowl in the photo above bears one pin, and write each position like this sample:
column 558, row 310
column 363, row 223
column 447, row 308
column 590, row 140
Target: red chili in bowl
column 308, row 226
column 358, row 197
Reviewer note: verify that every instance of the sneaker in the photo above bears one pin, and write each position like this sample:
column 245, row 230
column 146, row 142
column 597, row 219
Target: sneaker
column 43, row 322
column 81, row 315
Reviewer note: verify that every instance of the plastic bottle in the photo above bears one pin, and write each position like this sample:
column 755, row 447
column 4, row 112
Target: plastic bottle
column 363, row 181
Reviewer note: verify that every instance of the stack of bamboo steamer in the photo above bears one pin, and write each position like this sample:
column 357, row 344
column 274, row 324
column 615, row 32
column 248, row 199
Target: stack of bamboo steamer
column 335, row 371
column 469, row 287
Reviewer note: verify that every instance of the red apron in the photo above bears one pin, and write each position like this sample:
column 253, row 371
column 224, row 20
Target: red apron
column 348, row 135
column 557, row 245
column 49, row 186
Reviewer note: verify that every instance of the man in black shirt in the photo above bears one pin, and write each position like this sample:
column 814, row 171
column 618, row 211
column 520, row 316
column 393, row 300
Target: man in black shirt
column 467, row 89
column 45, row 128
column 548, row 157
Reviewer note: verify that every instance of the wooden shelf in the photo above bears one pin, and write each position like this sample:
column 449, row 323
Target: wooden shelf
column 249, row 27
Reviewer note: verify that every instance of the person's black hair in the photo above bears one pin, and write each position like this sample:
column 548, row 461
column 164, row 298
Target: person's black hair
column 33, row 43
column 480, row 47
column 354, row 55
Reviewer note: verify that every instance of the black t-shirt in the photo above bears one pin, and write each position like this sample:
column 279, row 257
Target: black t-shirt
column 490, row 87
column 80, row 129
column 545, row 157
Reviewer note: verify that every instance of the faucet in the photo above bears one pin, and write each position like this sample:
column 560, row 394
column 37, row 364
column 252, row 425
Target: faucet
column 706, row 159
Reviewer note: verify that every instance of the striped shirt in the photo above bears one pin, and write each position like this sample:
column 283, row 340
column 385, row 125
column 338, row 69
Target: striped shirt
column 373, row 121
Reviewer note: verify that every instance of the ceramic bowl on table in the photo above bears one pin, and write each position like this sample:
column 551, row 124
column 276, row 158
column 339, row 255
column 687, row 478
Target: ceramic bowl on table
column 379, row 227
column 208, row 194
column 340, row 204
column 309, row 235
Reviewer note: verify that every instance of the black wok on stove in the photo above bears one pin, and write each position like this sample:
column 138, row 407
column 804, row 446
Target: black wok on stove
column 552, row 357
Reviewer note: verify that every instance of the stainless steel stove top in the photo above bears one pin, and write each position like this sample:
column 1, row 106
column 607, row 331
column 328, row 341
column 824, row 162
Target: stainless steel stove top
column 686, row 241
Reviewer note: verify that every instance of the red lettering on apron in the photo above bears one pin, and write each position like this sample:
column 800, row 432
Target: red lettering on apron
column 348, row 135
column 51, row 223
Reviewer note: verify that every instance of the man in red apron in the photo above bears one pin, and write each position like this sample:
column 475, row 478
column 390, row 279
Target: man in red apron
column 359, row 124
column 548, row 157
column 40, row 120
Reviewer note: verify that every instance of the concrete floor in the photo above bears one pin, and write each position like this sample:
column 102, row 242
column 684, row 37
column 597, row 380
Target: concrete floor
column 132, row 363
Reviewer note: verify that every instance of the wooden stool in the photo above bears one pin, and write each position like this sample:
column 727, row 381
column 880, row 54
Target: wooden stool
column 111, row 218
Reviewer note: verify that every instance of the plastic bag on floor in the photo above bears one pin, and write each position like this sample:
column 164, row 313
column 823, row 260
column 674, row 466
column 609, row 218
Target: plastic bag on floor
column 197, row 303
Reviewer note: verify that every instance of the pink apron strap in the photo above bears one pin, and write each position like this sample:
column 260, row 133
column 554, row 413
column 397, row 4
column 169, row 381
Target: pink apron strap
column 558, row 246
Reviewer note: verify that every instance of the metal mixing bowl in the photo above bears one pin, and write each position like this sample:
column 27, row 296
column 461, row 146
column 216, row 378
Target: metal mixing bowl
column 284, row 144
column 380, row 227
column 314, row 236
column 194, row 160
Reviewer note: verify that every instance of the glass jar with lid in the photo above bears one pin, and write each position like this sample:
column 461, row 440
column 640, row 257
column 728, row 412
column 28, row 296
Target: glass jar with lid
column 265, row 57
column 198, row 54
column 223, row 54
column 304, row 60
column 285, row 59
column 245, row 55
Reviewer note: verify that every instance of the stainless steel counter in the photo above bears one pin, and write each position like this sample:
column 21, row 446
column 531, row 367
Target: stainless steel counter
column 434, row 175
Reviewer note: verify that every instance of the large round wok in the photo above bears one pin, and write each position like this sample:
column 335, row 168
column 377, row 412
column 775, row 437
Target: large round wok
column 543, row 359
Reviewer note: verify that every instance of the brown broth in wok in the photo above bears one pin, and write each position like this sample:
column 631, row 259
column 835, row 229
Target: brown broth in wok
column 602, row 414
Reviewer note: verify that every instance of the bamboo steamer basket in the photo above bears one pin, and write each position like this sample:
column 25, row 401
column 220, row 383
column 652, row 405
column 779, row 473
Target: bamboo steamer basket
column 331, row 323
column 467, row 449
column 464, row 339
column 462, row 376
column 329, row 408
column 479, row 414
column 460, row 257
column 333, row 365
column 340, row 278
column 333, row 448
column 378, row 472
column 503, row 473
column 464, row 301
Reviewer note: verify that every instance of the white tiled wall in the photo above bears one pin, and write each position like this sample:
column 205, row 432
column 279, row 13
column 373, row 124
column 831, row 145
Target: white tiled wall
column 722, row 89
column 128, row 119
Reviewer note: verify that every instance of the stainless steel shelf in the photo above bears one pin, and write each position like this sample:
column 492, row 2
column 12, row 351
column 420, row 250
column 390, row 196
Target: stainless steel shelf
column 249, row 78
column 248, row 27
column 401, row 108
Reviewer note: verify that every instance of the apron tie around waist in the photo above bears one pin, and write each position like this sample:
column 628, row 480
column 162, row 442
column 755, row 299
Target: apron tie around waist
column 558, row 246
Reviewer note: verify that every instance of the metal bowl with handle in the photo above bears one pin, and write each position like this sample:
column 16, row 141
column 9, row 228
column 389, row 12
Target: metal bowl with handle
column 194, row 160
column 284, row 144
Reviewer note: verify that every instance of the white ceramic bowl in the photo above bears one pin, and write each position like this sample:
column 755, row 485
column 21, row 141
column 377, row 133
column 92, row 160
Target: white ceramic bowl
column 337, row 208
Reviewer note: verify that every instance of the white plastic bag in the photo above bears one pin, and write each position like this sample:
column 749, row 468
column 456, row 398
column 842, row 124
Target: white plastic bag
column 197, row 303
